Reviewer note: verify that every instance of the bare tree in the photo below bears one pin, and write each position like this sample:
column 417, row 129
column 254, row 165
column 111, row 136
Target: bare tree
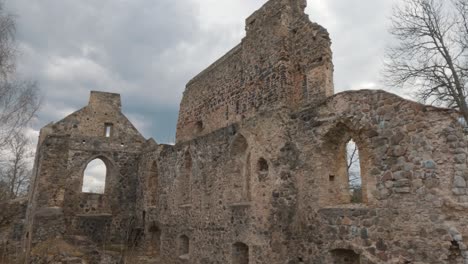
column 354, row 172
column 4, row 192
column 431, row 55
column 18, row 99
column 16, row 168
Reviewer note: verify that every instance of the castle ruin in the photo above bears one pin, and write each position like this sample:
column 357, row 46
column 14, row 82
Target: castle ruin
column 258, row 173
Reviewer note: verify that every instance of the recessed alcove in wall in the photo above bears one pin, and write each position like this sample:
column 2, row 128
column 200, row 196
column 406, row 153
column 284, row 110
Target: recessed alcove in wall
column 199, row 126
column 345, row 168
column 155, row 240
column 240, row 174
column 184, row 247
column 94, row 177
column 240, row 253
column 262, row 169
column 345, row 256
column 239, row 145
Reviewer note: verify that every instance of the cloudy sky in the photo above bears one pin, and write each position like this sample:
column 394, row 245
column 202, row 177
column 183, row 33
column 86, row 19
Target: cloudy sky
column 147, row 50
column 94, row 177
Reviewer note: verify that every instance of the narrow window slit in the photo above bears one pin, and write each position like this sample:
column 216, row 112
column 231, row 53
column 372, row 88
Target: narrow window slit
column 108, row 130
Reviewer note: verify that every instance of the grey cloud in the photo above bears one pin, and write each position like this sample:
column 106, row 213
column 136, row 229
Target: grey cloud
column 359, row 31
column 148, row 50
column 94, row 179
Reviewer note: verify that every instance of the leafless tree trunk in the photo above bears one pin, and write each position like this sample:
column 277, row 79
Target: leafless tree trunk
column 432, row 51
column 354, row 172
column 16, row 169
column 18, row 99
column 352, row 156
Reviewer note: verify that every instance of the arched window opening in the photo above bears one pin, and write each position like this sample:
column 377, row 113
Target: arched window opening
column 184, row 247
column 153, row 184
column 185, row 188
column 345, row 168
column 262, row 169
column 345, row 256
column 94, row 177
column 199, row 126
column 239, row 146
column 354, row 172
column 240, row 253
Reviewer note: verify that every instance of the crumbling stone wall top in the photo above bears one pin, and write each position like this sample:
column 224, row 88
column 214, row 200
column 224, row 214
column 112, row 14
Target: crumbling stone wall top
column 284, row 61
column 103, row 99
column 102, row 115
column 259, row 173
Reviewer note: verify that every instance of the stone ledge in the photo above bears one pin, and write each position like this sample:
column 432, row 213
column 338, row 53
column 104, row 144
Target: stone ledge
column 95, row 215
column 185, row 206
column 242, row 204
column 184, row 257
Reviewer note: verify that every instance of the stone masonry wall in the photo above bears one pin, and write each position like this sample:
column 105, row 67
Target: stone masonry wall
column 260, row 191
column 64, row 221
column 259, row 172
column 288, row 210
column 284, row 60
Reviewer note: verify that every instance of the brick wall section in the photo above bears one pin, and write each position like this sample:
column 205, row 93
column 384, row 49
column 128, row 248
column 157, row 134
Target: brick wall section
column 284, row 60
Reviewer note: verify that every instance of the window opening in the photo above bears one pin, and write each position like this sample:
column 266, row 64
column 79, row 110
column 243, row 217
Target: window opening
column 108, row 130
column 240, row 253
column 94, row 177
column 262, row 169
column 345, row 256
column 184, row 246
column 354, row 172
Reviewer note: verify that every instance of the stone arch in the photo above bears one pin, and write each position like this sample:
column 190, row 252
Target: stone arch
column 334, row 167
column 85, row 202
column 153, row 184
column 239, row 145
column 95, row 174
column 240, row 253
column 345, row 256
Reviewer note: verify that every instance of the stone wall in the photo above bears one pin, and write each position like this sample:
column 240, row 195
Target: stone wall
column 261, row 191
column 62, row 217
column 288, row 211
column 259, row 172
column 284, row 60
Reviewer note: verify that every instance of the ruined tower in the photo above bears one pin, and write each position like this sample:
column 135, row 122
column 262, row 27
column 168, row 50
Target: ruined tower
column 258, row 173
column 283, row 61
